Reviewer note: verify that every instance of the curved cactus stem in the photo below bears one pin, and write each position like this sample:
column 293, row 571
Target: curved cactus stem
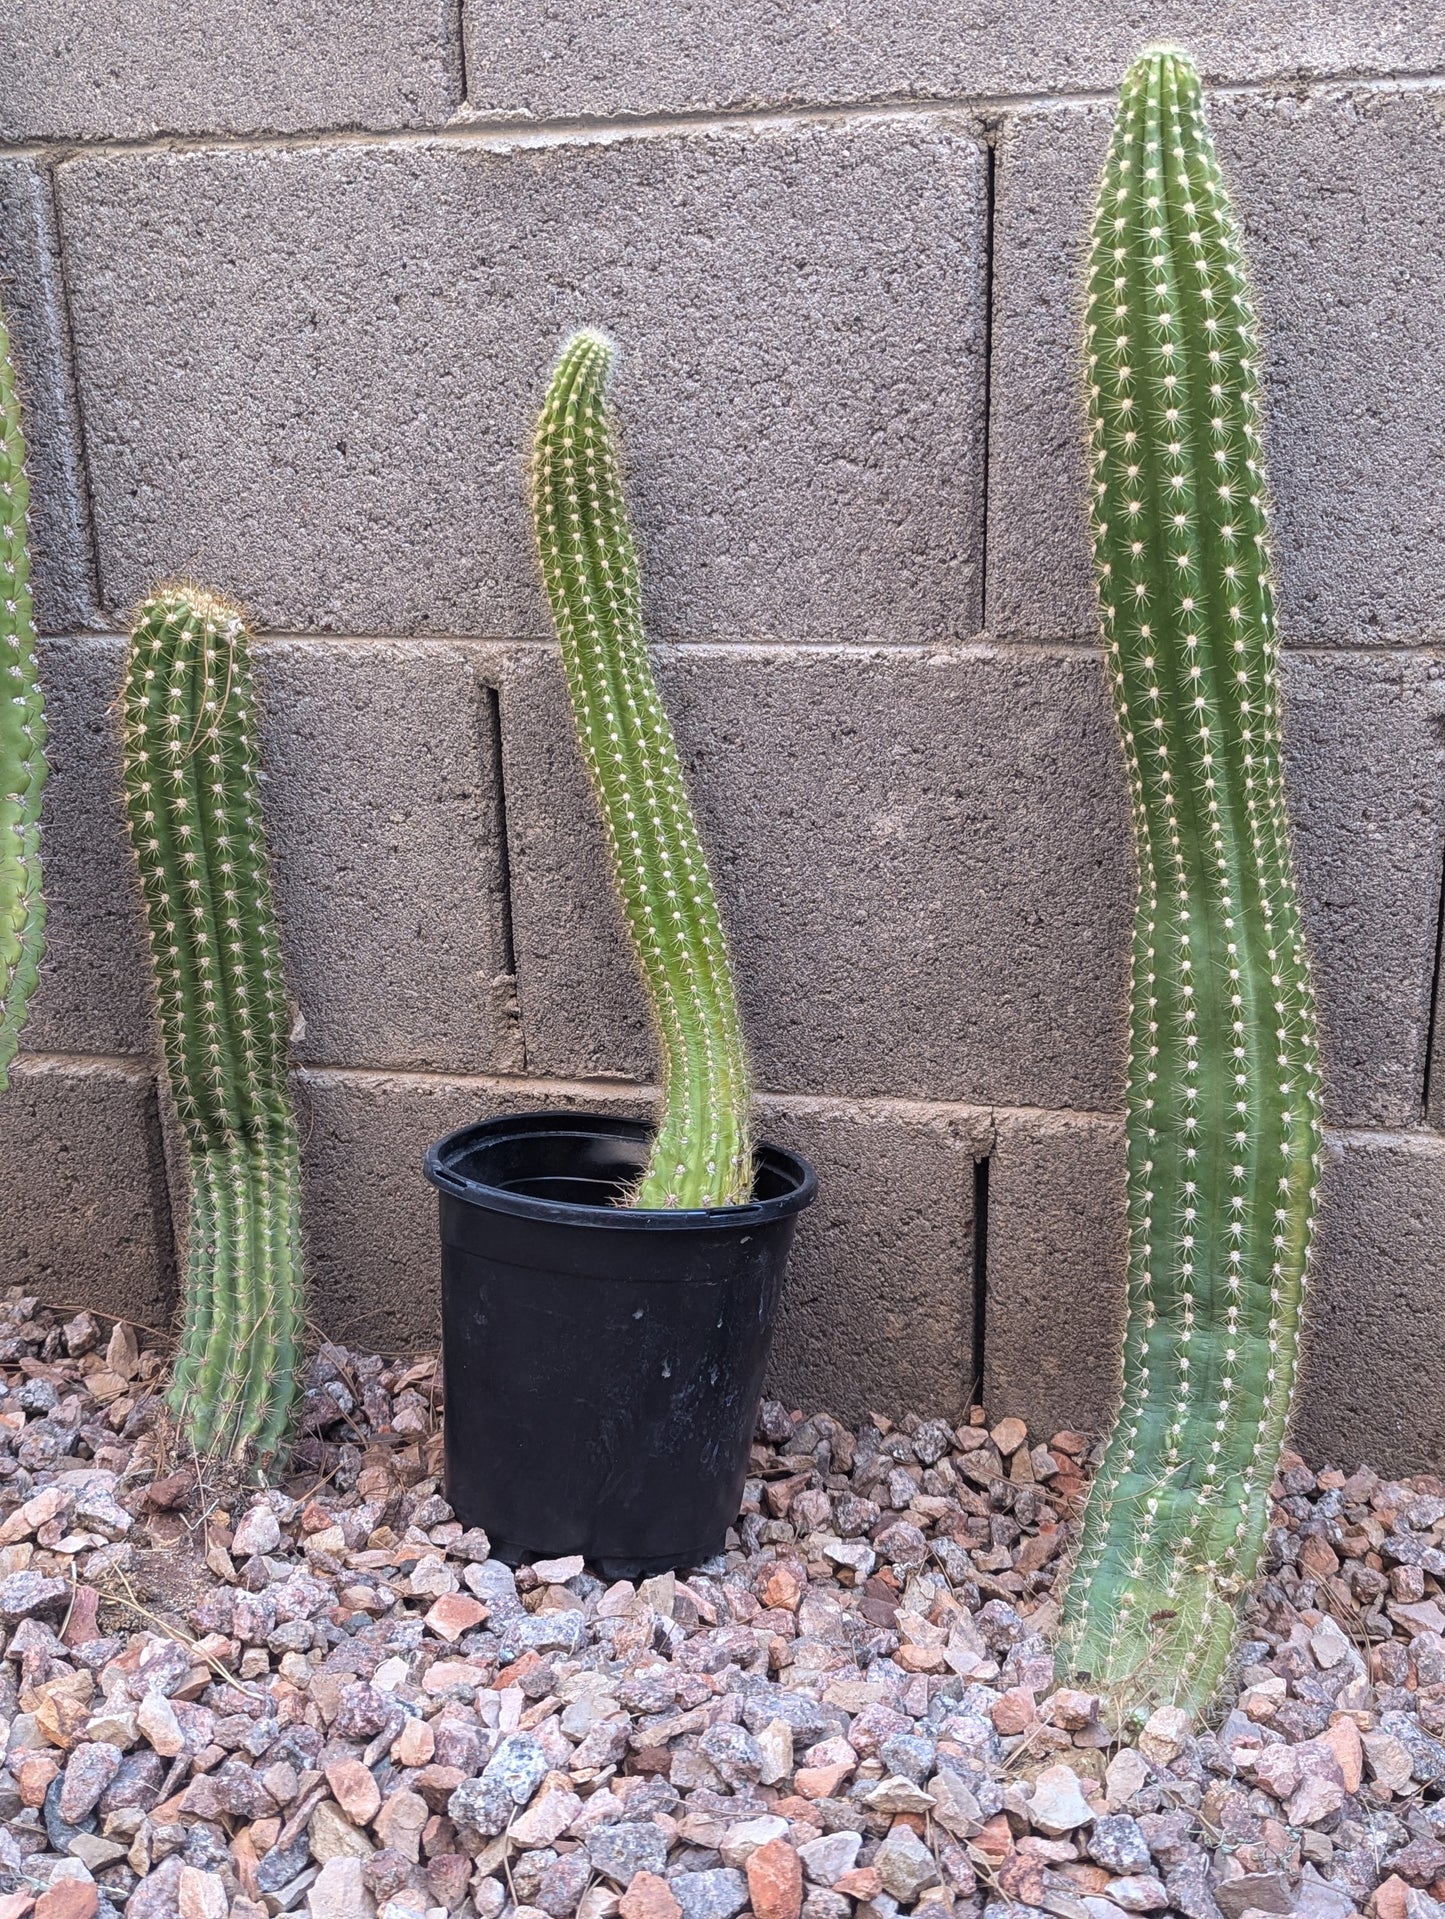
column 22, row 735
column 1224, row 1105
column 193, row 808
column 702, row 1154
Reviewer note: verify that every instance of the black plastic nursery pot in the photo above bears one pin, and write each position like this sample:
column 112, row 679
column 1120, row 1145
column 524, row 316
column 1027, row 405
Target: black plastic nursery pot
column 602, row 1365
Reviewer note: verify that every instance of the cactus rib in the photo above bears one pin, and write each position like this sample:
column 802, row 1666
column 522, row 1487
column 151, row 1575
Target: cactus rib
column 193, row 809
column 702, row 1154
column 22, row 734
column 1224, row 1103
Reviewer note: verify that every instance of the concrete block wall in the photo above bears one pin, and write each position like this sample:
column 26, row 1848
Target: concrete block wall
column 285, row 281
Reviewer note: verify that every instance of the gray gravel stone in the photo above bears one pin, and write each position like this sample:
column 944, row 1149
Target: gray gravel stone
column 825, row 1860
column 717, row 1894
column 907, row 1866
column 88, row 1772
column 23, row 1595
column 482, row 1805
column 619, row 1851
column 519, row 1765
column 1116, row 1842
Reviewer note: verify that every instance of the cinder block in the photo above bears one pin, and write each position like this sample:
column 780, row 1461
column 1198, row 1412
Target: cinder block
column 542, row 59
column 1365, row 767
column 1351, row 287
column 923, row 860
column 1371, row 1385
column 311, row 376
column 924, row 863
column 85, row 69
column 84, row 1217
column 94, row 995
column 382, row 817
column 878, row 1310
column 1372, row 1382
column 382, row 821
column 31, row 295
column 1056, row 1259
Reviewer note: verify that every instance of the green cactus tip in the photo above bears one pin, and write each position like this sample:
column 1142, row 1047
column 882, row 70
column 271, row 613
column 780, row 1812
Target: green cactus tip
column 702, row 1154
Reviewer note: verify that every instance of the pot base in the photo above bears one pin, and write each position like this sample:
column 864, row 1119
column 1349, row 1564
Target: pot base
column 634, row 1569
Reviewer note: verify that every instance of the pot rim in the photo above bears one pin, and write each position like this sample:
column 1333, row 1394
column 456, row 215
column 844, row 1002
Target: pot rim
column 437, row 1167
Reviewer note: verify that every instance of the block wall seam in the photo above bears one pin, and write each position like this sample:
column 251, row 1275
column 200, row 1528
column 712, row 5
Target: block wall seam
column 74, row 407
column 983, row 1120
column 511, row 132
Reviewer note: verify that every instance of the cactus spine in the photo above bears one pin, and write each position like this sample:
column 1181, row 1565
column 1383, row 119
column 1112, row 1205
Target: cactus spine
column 22, row 735
column 702, row 1155
column 193, row 808
column 1224, row 1089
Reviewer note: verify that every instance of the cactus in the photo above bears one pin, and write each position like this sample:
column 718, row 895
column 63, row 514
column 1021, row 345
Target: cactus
column 22, row 735
column 1224, row 1092
column 192, row 804
column 702, row 1154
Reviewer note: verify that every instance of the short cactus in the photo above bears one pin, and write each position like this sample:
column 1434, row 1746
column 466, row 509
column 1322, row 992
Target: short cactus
column 22, row 735
column 702, row 1154
column 193, row 809
column 1224, row 1109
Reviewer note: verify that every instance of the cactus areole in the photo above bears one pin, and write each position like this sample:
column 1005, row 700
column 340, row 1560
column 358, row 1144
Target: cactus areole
column 22, row 735
column 193, row 808
column 1224, row 1088
column 703, row 1153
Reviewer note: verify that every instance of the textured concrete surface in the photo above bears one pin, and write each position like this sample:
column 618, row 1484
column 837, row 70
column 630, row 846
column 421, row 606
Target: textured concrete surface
column 312, row 376
column 1351, row 287
column 878, row 1311
column 1372, row 1385
column 542, row 58
column 93, row 995
column 1057, row 1250
column 899, row 923
column 886, row 1249
column 84, row 1217
column 381, row 813
column 84, row 69
column 902, row 918
column 1365, row 764
column 32, row 300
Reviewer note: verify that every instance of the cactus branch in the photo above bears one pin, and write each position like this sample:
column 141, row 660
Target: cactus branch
column 22, row 735
column 193, row 808
column 702, row 1155
column 1224, row 1109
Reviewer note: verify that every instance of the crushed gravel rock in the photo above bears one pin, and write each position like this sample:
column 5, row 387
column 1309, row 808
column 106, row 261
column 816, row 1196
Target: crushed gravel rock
column 329, row 1699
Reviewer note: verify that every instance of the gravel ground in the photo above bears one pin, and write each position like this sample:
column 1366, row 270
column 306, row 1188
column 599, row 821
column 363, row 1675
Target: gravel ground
column 329, row 1699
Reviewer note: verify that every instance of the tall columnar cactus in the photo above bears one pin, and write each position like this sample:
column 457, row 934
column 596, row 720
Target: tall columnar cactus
column 195, row 823
column 1224, row 1088
column 22, row 735
column 702, row 1155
